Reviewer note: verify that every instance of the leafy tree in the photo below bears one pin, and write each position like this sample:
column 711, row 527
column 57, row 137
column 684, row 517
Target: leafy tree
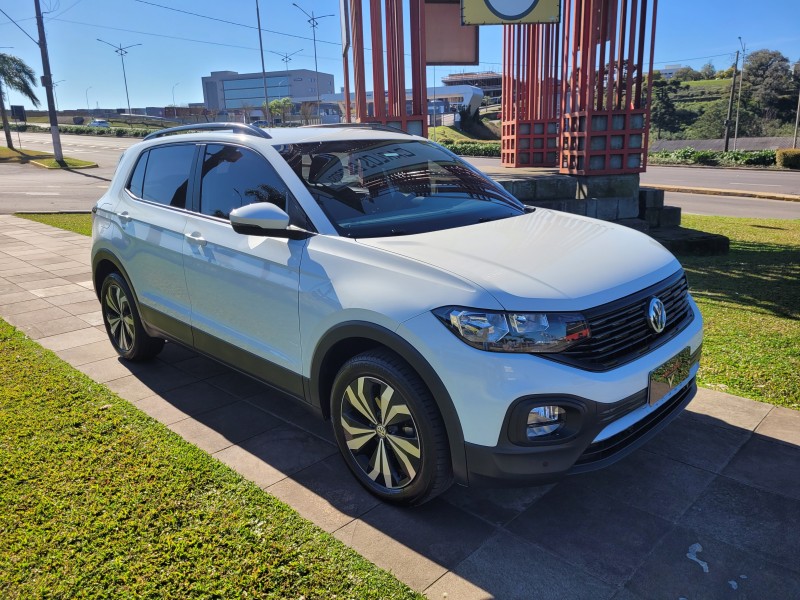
column 17, row 76
column 281, row 107
column 708, row 71
column 307, row 111
column 768, row 81
column 687, row 74
column 710, row 125
column 663, row 112
column 725, row 73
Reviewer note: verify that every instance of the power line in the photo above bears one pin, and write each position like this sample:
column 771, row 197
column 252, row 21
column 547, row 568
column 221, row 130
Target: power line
column 160, row 35
column 676, row 60
column 194, row 14
column 19, row 26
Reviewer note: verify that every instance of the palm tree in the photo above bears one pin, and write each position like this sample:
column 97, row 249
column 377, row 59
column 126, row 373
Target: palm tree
column 18, row 76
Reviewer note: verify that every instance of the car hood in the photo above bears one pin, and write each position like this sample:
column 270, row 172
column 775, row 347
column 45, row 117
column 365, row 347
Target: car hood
column 545, row 260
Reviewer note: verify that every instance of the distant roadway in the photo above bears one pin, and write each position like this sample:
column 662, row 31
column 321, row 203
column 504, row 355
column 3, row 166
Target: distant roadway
column 29, row 188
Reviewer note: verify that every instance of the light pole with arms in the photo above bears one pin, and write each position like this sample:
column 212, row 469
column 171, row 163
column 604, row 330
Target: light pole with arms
column 122, row 52
column 314, row 21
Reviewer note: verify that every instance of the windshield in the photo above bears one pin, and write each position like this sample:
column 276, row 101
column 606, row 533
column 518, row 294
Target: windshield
column 375, row 188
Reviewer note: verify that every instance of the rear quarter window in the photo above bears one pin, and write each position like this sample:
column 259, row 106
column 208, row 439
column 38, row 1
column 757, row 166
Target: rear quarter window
column 162, row 175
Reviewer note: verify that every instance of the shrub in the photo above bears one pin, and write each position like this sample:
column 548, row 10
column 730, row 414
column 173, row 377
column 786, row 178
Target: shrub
column 788, row 158
column 690, row 156
column 473, row 148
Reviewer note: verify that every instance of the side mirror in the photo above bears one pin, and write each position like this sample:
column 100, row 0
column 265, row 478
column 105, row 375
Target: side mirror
column 264, row 219
column 261, row 216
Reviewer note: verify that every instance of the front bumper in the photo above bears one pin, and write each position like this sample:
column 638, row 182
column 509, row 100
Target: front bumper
column 487, row 388
column 511, row 464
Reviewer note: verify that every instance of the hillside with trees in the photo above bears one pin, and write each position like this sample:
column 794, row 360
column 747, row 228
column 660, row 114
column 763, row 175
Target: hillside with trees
column 693, row 104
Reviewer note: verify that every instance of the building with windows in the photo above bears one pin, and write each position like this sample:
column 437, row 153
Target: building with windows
column 225, row 91
column 668, row 72
column 490, row 83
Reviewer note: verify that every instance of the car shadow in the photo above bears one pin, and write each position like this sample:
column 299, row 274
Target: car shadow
column 711, row 488
column 760, row 276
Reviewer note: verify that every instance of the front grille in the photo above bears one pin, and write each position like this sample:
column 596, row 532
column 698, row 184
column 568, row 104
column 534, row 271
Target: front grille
column 620, row 332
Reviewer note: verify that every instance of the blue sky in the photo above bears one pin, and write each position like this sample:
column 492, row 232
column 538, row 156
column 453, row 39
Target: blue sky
column 177, row 48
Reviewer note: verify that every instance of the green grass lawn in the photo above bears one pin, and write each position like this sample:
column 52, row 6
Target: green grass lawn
column 750, row 300
column 45, row 159
column 98, row 500
column 79, row 223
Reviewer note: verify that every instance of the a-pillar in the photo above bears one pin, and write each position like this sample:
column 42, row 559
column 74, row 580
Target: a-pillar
column 390, row 105
column 606, row 85
column 530, row 95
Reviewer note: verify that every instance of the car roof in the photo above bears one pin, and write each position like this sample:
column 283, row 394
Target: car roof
column 281, row 135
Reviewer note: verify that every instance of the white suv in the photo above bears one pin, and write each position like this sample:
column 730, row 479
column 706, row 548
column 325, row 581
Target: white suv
column 449, row 332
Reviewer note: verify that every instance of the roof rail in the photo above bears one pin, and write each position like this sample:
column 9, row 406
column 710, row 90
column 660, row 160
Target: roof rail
column 375, row 126
column 234, row 127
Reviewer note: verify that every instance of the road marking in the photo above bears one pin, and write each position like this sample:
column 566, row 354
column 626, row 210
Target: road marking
column 763, row 184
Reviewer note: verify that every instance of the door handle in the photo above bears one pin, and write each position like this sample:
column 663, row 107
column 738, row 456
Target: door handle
column 195, row 238
column 125, row 217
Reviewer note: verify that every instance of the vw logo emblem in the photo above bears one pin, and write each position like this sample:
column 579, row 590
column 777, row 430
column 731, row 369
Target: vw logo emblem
column 657, row 315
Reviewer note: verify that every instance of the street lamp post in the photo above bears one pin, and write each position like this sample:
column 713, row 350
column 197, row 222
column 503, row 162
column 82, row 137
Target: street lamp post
column 739, row 98
column 174, row 106
column 122, row 52
column 261, row 53
column 87, row 98
column 286, row 58
column 55, row 85
column 797, row 115
column 314, row 21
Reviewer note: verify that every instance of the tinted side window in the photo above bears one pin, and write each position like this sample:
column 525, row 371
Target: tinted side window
column 233, row 177
column 137, row 179
column 166, row 175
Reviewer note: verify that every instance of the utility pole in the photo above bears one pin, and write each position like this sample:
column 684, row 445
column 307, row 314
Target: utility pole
column 263, row 71
column 730, row 103
column 796, row 120
column 47, row 82
column 739, row 99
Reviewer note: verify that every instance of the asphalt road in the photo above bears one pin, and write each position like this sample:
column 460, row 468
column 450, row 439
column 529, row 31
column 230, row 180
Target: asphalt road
column 29, row 188
column 750, row 180
column 733, row 206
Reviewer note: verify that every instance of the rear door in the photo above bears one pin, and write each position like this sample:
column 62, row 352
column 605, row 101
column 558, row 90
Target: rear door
column 243, row 289
column 152, row 217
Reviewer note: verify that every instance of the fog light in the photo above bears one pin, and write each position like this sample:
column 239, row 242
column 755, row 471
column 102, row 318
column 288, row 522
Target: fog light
column 545, row 420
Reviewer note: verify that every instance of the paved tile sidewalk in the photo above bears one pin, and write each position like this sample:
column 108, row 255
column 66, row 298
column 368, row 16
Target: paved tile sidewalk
column 709, row 509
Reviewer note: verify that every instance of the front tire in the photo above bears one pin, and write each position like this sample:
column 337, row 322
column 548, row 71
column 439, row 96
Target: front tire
column 389, row 429
column 123, row 323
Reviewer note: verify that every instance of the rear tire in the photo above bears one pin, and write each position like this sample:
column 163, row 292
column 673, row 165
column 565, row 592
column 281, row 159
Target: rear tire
column 123, row 323
column 389, row 429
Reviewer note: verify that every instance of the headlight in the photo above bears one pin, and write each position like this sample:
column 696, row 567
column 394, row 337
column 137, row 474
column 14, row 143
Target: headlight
column 514, row 332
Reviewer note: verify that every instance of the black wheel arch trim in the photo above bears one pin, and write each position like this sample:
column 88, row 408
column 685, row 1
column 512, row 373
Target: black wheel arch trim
column 105, row 255
column 377, row 335
column 151, row 320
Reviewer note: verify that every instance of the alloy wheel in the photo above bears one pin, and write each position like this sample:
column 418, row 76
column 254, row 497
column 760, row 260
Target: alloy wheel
column 119, row 316
column 380, row 432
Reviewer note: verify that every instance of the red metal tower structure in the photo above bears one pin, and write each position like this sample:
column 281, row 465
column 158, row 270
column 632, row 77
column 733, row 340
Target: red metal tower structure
column 390, row 106
column 531, row 94
column 603, row 102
